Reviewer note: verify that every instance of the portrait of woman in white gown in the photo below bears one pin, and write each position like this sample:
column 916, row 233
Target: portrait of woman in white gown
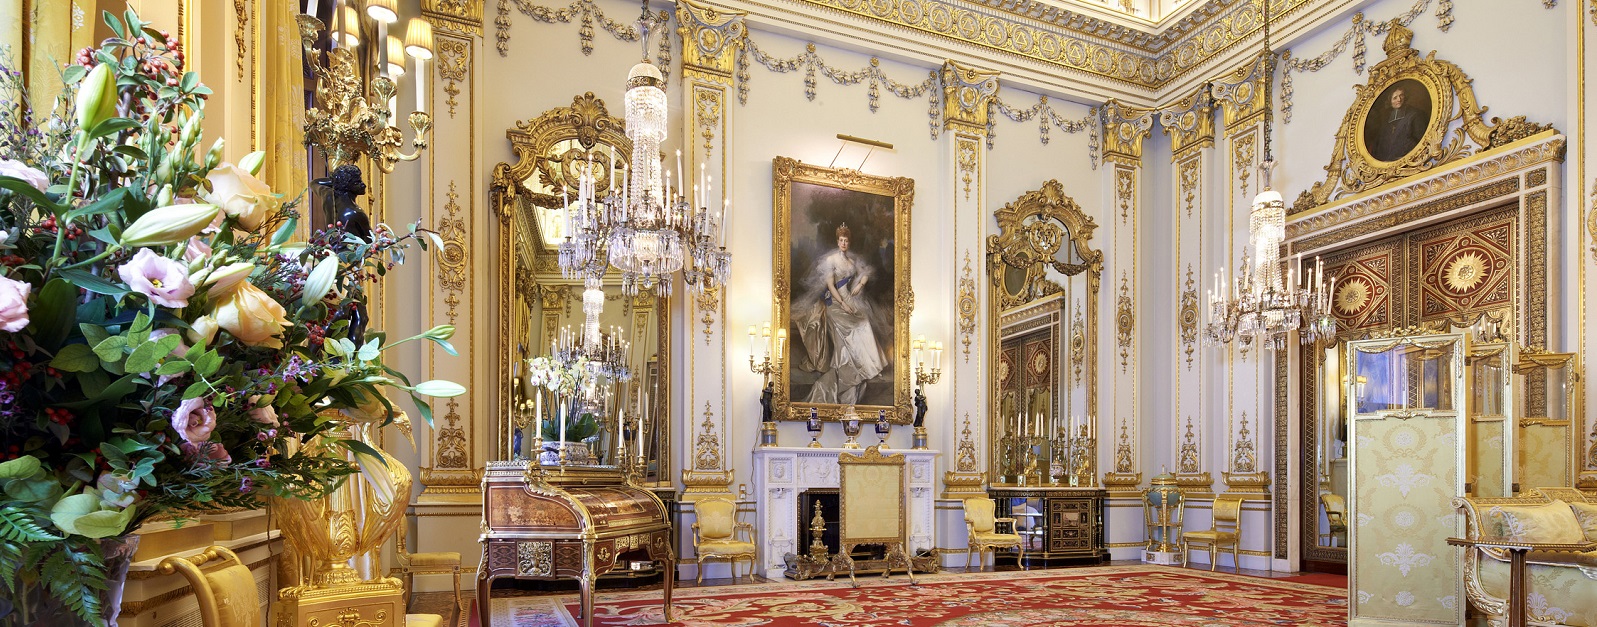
column 835, row 326
column 841, row 312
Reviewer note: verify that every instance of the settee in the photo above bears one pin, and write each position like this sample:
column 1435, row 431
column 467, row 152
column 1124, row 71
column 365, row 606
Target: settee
column 1561, row 587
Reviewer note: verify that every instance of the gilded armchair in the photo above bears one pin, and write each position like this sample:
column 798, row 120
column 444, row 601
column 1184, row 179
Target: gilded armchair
column 223, row 587
column 1336, row 516
column 715, row 535
column 982, row 535
column 1226, row 530
column 432, row 563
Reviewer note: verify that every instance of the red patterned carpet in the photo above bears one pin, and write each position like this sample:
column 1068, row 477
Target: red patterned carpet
column 1115, row 596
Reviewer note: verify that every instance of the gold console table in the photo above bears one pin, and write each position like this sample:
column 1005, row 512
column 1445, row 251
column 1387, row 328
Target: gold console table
column 549, row 522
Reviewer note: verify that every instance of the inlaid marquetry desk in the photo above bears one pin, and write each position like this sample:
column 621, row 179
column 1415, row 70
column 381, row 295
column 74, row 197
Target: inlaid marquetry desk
column 548, row 522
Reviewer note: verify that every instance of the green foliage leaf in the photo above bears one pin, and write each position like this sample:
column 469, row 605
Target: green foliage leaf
column 32, row 490
column 148, row 355
column 285, row 232
column 68, row 510
column 93, row 283
column 173, row 367
column 26, row 190
column 208, row 363
column 54, row 314
column 111, row 348
column 104, row 523
column 75, row 358
column 104, row 204
column 425, row 409
column 20, row 467
column 369, row 351
column 18, row 525
column 92, row 333
column 362, row 448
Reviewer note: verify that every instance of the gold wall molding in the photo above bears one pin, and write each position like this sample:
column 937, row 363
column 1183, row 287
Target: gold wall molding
column 968, row 93
column 1125, row 322
column 1240, row 92
column 240, row 26
column 967, row 305
column 1189, row 123
column 1125, row 127
column 711, row 37
column 1354, row 169
column 454, row 63
column 453, row 260
column 1188, row 317
column 462, row 16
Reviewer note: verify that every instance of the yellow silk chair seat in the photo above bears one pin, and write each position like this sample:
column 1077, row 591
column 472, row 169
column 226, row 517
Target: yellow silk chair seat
column 423, row 620
column 715, row 535
column 439, row 559
column 1222, row 537
column 725, row 547
column 981, row 532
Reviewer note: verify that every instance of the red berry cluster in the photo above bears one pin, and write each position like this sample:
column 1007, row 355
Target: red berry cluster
column 59, row 416
column 12, row 260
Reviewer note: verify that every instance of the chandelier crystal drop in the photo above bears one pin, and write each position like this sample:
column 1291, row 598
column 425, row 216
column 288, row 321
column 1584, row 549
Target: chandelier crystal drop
column 1259, row 303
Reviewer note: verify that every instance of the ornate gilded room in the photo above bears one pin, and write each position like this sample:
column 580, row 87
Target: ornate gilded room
column 561, row 313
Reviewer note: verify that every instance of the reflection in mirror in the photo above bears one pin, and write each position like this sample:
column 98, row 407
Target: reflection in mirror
column 1545, row 431
column 1332, row 447
column 1489, row 463
column 1043, row 280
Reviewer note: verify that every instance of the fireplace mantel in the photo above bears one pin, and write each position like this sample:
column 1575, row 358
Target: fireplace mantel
column 781, row 473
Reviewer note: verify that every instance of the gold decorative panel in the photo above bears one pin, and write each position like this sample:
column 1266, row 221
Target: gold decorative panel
column 1364, row 296
column 1463, row 268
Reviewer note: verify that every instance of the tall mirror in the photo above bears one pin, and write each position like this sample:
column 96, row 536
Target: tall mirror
column 1043, row 279
column 539, row 306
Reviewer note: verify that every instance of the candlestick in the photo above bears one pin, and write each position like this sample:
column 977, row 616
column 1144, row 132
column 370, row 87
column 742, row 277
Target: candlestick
column 564, row 413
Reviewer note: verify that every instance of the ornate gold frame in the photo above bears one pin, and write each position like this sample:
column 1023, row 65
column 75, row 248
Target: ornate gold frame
column 529, row 276
column 1352, row 170
column 786, row 171
column 1030, row 247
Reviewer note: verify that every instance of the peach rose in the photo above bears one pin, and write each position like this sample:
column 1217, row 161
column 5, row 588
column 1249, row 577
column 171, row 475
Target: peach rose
column 252, row 316
column 244, row 198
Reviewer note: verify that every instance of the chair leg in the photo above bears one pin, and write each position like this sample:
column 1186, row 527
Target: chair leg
column 968, row 548
column 1213, row 560
column 410, row 584
column 1021, row 558
column 458, row 602
column 701, row 568
column 1234, row 563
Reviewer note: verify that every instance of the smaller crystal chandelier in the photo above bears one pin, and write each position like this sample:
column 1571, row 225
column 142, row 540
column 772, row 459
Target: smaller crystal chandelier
column 1259, row 303
column 607, row 353
column 647, row 228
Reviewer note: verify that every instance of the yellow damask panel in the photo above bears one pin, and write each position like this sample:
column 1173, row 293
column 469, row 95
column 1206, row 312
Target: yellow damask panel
column 1404, row 571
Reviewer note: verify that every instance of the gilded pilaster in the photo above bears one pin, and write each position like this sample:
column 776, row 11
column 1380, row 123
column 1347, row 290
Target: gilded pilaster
column 1190, row 125
column 458, row 446
column 967, row 92
column 1125, row 128
column 1246, row 405
column 1584, row 195
column 711, row 37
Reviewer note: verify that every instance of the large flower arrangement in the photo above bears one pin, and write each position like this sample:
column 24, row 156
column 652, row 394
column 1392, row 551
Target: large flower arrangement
column 164, row 347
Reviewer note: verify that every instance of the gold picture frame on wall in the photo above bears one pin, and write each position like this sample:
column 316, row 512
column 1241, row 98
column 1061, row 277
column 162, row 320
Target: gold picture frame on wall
column 841, row 288
column 1396, row 121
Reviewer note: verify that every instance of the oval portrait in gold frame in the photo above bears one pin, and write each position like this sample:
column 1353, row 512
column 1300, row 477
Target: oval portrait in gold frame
column 1396, row 122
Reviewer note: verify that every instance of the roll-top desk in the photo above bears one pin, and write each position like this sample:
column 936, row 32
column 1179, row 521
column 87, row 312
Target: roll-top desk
column 580, row 522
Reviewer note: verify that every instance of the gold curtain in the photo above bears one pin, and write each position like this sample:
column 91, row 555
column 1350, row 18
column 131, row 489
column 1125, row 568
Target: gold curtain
column 51, row 33
column 280, row 101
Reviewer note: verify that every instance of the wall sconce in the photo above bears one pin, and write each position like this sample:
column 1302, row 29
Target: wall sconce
column 767, row 353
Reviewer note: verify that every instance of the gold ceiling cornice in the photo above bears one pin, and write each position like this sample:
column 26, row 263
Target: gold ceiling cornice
column 1121, row 52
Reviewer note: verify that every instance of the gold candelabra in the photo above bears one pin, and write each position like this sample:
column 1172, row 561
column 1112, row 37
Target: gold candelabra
column 350, row 118
column 767, row 351
column 919, row 351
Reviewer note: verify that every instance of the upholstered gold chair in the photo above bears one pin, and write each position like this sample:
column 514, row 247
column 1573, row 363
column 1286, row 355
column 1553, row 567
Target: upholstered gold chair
column 715, row 535
column 982, row 536
column 432, row 563
column 1225, row 531
column 1336, row 514
column 223, row 586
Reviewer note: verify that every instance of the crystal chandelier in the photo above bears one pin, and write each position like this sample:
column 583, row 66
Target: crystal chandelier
column 647, row 228
column 1259, row 303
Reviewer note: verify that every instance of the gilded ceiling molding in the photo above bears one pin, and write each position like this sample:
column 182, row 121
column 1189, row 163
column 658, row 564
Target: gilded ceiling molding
column 1047, row 34
column 462, row 16
column 968, row 93
column 716, row 36
column 1240, row 92
column 1354, row 169
column 1125, row 127
column 1189, row 123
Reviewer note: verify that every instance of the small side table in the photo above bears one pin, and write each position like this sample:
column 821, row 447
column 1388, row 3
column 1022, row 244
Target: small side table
column 1516, row 578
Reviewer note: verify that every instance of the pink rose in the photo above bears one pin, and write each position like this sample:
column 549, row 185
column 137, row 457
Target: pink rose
column 20, row 170
column 166, row 282
column 13, row 304
column 194, row 420
column 206, row 452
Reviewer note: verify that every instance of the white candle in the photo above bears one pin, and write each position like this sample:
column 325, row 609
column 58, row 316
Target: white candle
column 679, row 166
column 564, row 413
column 310, row 8
column 421, row 85
column 382, row 49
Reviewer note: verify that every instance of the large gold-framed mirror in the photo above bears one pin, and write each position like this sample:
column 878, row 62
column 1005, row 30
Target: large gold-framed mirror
column 536, row 302
column 1043, row 278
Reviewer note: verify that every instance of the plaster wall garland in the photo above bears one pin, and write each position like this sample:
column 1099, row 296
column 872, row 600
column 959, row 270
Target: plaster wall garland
column 1047, row 118
column 586, row 13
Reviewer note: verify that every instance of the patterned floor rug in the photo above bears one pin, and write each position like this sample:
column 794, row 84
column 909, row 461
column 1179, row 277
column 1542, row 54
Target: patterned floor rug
column 1111, row 596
